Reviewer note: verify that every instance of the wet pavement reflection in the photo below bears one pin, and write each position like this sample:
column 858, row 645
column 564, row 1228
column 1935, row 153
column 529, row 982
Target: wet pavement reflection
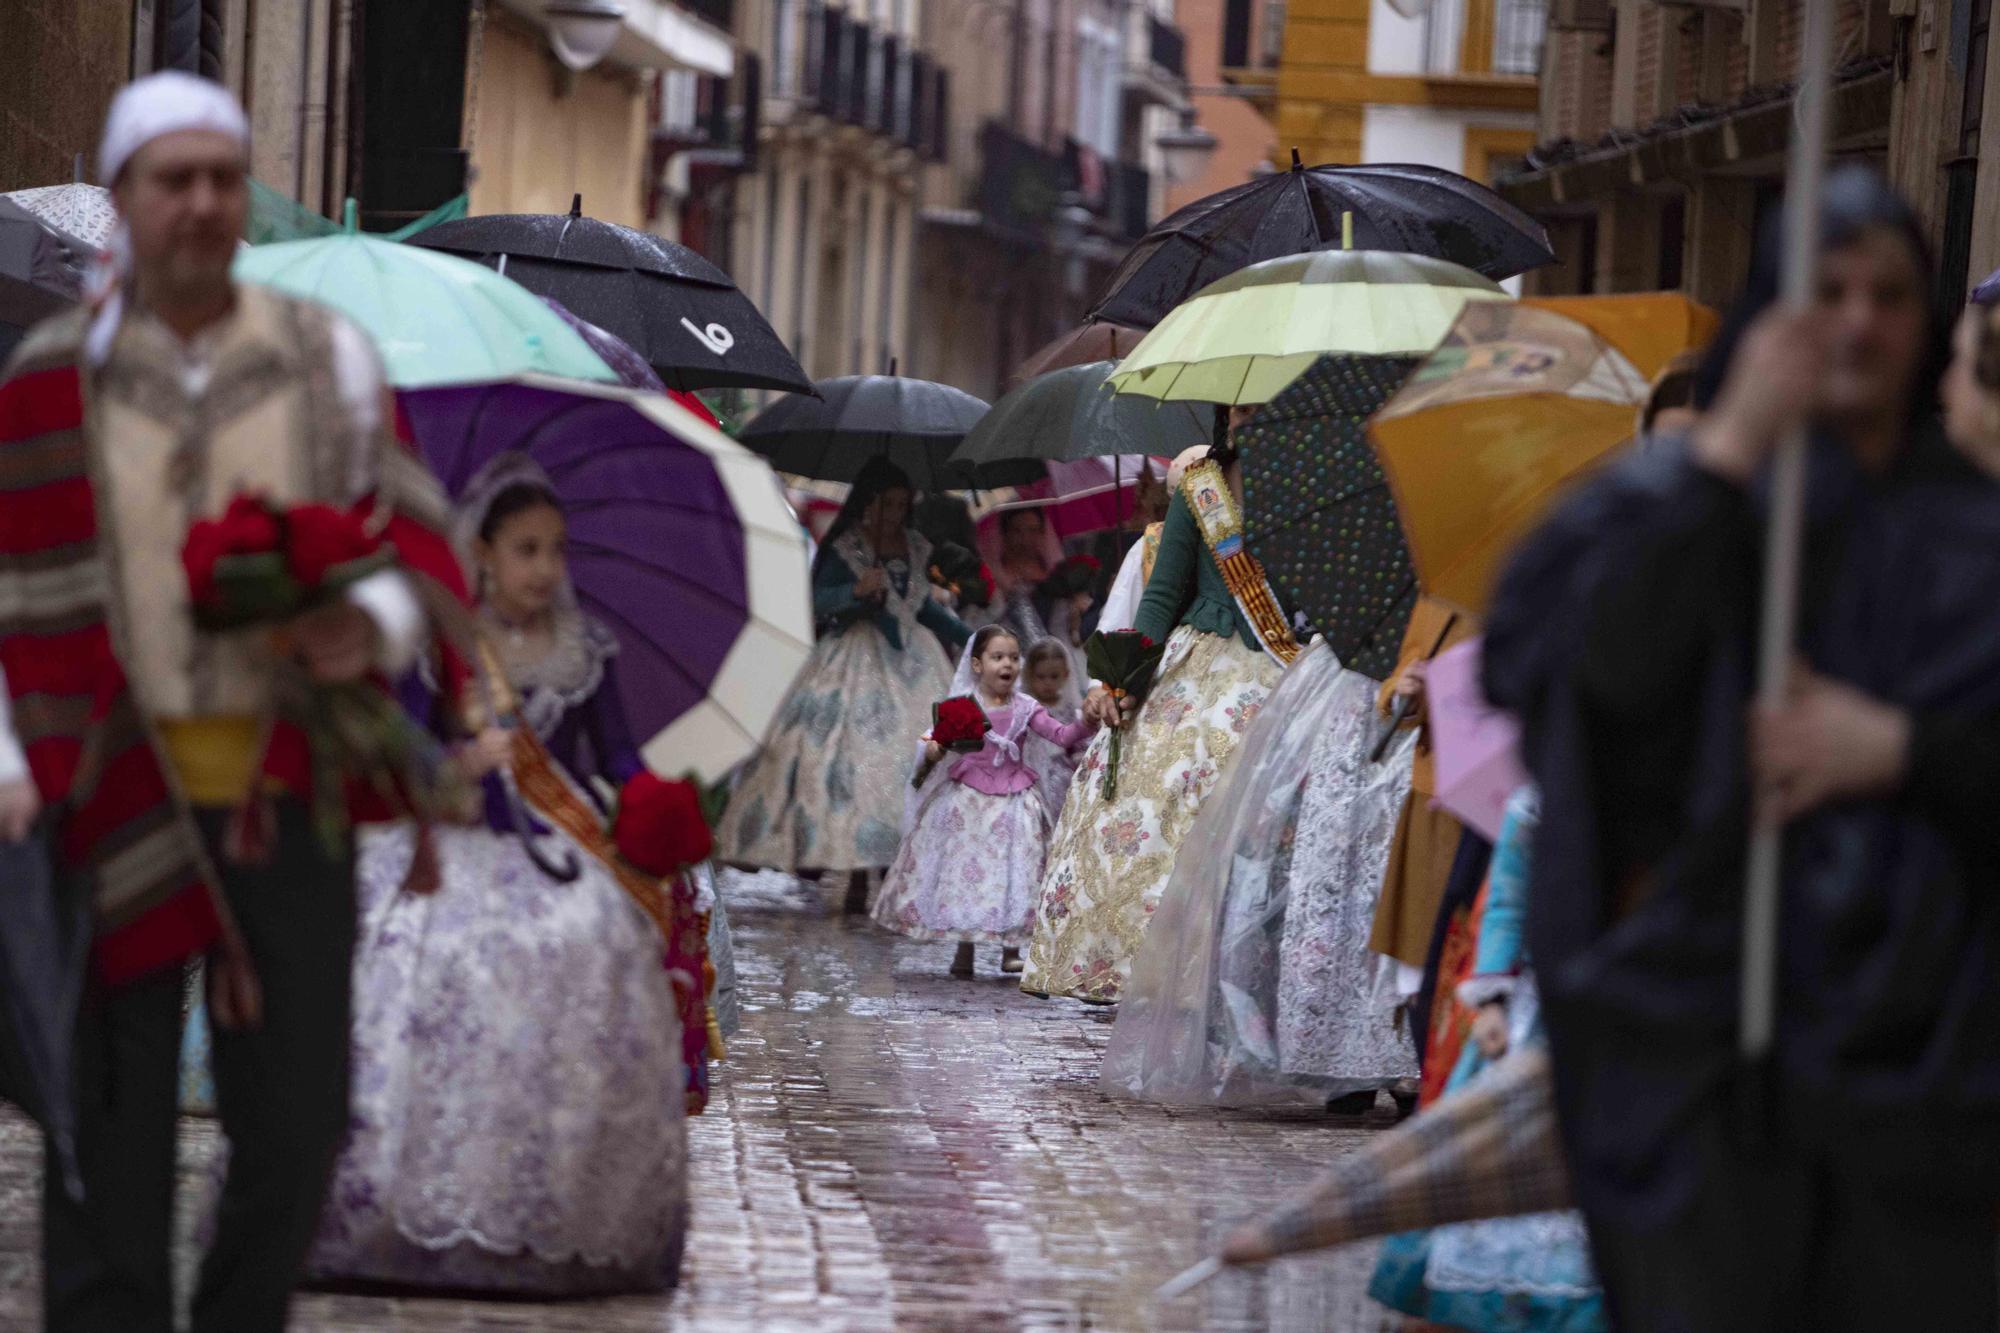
column 889, row 1147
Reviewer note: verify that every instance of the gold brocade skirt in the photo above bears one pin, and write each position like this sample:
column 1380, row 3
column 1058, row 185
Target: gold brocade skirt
column 1109, row 861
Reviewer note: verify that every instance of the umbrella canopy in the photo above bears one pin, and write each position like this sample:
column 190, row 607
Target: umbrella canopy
column 1476, row 746
column 1488, row 1150
column 1650, row 328
column 44, row 956
column 1411, row 209
column 41, row 268
column 915, row 423
column 1252, row 333
column 679, row 540
column 684, row 315
column 79, row 210
column 1094, row 340
column 1507, row 412
column 630, row 368
column 1077, row 498
column 1070, row 414
column 1317, row 511
column 435, row 319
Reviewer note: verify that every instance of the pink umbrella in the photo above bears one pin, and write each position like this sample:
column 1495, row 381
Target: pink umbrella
column 1477, row 747
column 1079, row 497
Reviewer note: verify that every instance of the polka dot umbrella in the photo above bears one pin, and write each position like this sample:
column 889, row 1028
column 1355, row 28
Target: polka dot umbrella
column 1318, row 512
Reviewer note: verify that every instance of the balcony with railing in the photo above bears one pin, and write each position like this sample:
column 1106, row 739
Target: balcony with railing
column 1252, row 32
column 1155, row 59
column 1024, row 188
column 850, row 72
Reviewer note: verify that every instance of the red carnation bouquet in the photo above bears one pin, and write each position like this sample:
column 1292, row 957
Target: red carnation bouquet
column 959, row 724
column 261, row 566
column 1124, row 661
column 662, row 825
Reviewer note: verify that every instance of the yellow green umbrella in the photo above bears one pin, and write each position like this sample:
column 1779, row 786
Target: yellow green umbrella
column 1246, row 336
column 1513, row 405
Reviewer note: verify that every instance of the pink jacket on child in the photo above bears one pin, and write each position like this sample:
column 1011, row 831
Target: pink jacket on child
column 998, row 768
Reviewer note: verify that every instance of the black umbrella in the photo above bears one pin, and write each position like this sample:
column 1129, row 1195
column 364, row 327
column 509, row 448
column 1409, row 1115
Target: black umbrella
column 1415, row 209
column 1318, row 514
column 916, row 423
column 682, row 313
column 1069, row 414
column 44, row 950
column 41, row 268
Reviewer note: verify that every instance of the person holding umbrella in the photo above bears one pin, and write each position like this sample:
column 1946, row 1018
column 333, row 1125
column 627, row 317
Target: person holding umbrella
column 527, row 1001
column 1226, row 640
column 1847, row 1180
column 826, row 792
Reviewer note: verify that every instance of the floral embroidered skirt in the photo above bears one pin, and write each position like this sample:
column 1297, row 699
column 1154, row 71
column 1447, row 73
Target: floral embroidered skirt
column 826, row 791
column 517, row 1116
column 1109, row 861
column 970, row 870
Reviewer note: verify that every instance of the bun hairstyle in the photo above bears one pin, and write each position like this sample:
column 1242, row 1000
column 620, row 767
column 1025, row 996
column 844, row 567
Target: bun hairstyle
column 517, row 498
column 985, row 637
column 1046, row 650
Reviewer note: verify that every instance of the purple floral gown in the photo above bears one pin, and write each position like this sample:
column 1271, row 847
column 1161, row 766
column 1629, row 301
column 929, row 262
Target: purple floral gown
column 518, row 1079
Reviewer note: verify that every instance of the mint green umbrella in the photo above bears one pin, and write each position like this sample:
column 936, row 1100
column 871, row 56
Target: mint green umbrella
column 435, row 319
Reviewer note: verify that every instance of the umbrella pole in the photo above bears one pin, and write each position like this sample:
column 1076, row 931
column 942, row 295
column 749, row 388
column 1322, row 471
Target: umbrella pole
column 1776, row 632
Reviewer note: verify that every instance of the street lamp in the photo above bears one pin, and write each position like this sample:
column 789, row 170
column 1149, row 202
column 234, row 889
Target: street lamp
column 1184, row 152
column 582, row 32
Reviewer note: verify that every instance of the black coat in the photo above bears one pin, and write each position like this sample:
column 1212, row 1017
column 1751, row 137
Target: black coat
column 1623, row 635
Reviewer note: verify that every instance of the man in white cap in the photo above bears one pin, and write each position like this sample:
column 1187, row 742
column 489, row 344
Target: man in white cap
column 119, row 427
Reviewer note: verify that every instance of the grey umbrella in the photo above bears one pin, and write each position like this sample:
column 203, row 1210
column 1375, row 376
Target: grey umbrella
column 41, row 268
column 1069, row 414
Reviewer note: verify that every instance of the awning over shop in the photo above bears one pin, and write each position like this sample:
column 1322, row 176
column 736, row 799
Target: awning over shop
column 1705, row 140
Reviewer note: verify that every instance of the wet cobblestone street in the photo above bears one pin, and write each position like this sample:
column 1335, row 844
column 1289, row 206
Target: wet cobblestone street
column 889, row 1147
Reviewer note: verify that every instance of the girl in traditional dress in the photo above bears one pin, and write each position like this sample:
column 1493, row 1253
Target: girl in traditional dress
column 1227, row 640
column 519, row 1072
column 1528, row 1274
column 826, row 792
column 1052, row 682
column 971, row 866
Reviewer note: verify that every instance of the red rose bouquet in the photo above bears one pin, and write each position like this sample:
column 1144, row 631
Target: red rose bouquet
column 661, row 826
column 1124, row 661
column 959, row 724
column 1076, row 575
column 261, row 566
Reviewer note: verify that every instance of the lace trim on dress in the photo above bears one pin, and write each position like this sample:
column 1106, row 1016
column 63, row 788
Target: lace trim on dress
column 903, row 603
column 550, row 684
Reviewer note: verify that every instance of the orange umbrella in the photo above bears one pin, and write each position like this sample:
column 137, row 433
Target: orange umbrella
column 1650, row 328
column 1513, row 405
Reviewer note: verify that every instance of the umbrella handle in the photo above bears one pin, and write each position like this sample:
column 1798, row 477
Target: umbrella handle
column 1396, row 718
column 501, row 703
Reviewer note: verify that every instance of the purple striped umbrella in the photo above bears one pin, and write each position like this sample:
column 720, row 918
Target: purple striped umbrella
column 680, row 541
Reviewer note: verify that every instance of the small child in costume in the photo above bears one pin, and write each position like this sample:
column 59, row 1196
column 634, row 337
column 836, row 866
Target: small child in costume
column 1053, row 685
column 970, row 867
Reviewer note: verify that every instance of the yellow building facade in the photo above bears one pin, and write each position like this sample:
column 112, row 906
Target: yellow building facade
column 1452, row 84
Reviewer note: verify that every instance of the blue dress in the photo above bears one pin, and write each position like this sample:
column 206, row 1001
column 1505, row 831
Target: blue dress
column 1528, row 1274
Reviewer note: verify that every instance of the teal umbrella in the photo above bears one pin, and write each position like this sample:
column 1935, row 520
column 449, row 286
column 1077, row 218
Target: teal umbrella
column 1069, row 414
column 435, row 319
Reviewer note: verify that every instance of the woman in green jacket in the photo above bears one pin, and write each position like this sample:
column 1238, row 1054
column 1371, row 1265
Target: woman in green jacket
column 1227, row 642
column 826, row 792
